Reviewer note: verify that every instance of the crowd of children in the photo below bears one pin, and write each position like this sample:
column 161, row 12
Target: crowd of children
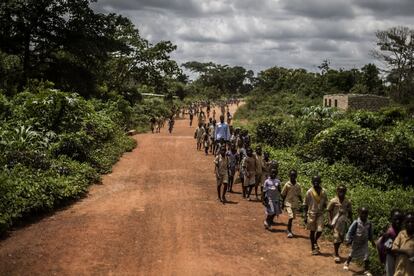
column 235, row 160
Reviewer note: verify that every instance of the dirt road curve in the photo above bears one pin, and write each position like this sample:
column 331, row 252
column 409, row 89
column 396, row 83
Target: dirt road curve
column 157, row 214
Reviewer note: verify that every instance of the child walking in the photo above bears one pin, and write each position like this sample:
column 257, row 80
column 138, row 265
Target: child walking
column 384, row 244
column 221, row 169
column 206, row 141
column 249, row 167
column 259, row 169
column 233, row 157
column 403, row 248
column 271, row 199
column 340, row 216
column 358, row 235
column 199, row 135
column 315, row 204
column 292, row 195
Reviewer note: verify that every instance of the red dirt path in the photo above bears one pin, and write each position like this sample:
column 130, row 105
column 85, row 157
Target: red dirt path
column 157, row 214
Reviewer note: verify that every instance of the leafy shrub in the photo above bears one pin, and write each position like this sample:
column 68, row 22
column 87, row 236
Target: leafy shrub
column 277, row 132
column 53, row 111
column 102, row 158
column 348, row 142
column 24, row 190
column 54, row 144
column 4, row 107
column 391, row 115
column 367, row 119
column 400, row 153
column 22, row 145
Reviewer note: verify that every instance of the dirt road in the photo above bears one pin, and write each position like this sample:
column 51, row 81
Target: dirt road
column 157, row 214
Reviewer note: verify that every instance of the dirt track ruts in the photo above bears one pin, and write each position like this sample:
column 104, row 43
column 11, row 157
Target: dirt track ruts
column 157, row 214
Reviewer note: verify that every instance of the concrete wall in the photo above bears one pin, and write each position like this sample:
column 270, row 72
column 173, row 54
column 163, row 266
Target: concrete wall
column 367, row 102
column 339, row 101
column 355, row 101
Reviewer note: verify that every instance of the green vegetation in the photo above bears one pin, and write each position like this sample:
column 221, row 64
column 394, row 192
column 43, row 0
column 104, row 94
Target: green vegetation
column 372, row 153
column 215, row 81
column 54, row 143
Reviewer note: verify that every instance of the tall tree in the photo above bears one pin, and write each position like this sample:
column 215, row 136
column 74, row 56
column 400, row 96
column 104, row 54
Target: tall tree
column 371, row 79
column 396, row 48
column 222, row 78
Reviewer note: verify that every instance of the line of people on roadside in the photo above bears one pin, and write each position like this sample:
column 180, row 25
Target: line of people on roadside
column 256, row 171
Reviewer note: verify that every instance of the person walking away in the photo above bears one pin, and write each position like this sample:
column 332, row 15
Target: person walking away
column 271, row 199
column 153, row 122
column 292, row 198
column 315, row 204
column 221, row 169
column 358, row 236
column 340, row 217
column 191, row 117
column 171, row 124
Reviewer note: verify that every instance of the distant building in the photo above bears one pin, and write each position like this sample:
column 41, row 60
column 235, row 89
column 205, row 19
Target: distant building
column 355, row 101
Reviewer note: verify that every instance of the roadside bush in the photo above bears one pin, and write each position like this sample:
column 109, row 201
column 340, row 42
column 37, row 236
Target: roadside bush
column 4, row 107
column 348, row 142
column 391, row 115
column 52, row 110
column 400, row 153
column 102, row 158
column 367, row 119
column 54, row 144
column 22, row 145
column 277, row 132
column 24, row 190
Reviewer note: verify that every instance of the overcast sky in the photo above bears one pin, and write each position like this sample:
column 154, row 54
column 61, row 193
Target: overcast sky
column 265, row 33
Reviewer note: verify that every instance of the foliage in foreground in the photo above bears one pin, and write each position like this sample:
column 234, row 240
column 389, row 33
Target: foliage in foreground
column 54, row 144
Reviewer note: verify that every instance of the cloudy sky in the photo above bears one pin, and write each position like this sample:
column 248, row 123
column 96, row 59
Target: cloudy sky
column 264, row 33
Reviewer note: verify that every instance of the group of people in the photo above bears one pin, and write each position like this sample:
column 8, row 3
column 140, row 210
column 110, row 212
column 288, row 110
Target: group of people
column 256, row 171
column 157, row 123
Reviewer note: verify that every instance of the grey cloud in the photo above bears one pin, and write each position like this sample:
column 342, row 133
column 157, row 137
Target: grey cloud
column 387, row 7
column 266, row 33
column 319, row 8
column 186, row 8
column 318, row 45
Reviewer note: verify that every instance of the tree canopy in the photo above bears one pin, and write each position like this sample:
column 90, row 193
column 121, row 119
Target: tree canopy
column 79, row 50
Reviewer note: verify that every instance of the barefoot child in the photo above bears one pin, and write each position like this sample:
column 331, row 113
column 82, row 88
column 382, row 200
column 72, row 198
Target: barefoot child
column 403, row 248
column 340, row 216
column 315, row 204
column 292, row 195
column 271, row 199
column 221, row 169
column 358, row 235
